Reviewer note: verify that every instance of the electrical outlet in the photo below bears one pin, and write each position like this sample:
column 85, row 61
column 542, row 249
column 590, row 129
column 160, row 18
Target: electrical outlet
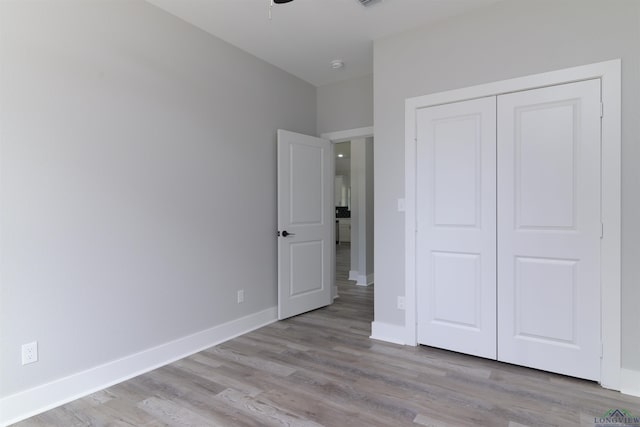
column 240, row 296
column 30, row 353
column 400, row 303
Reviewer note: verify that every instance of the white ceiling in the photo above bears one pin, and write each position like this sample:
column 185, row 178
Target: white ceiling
column 343, row 148
column 305, row 35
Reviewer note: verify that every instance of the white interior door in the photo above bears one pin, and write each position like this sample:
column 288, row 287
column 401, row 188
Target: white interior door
column 305, row 223
column 549, row 229
column 456, row 223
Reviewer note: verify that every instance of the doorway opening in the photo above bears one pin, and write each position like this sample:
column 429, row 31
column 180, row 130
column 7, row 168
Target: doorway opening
column 353, row 202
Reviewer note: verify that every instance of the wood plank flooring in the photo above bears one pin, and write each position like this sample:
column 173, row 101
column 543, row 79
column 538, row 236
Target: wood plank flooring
column 321, row 369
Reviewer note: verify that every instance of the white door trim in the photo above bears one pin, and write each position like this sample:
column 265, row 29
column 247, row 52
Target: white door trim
column 348, row 135
column 610, row 74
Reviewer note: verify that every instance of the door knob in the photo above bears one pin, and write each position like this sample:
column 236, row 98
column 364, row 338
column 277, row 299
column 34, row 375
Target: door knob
column 285, row 233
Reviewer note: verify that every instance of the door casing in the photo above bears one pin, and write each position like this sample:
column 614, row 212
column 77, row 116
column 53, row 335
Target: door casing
column 609, row 73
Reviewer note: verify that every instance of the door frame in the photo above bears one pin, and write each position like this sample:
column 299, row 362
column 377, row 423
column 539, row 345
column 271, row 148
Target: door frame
column 334, row 138
column 609, row 72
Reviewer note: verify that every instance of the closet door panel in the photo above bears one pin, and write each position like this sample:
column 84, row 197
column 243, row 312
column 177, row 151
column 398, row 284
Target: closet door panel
column 549, row 229
column 456, row 227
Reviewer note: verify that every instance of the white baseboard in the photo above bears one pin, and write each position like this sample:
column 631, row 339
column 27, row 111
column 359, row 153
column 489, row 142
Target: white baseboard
column 387, row 332
column 353, row 275
column 630, row 382
column 361, row 279
column 33, row 401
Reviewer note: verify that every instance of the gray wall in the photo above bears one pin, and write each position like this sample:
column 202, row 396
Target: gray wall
column 358, row 212
column 138, row 181
column 369, row 175
column 345, row 105
column 362, row 209
column 509, row 39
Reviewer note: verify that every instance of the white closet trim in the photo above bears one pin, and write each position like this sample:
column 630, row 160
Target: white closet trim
column 610, row 74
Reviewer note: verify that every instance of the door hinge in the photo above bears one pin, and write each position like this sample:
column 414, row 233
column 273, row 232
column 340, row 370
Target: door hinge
column 602, row 109
column 602, row 230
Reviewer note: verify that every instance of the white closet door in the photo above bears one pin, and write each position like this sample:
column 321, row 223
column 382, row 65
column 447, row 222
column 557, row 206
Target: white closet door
column 456, row 222
column 549, row 229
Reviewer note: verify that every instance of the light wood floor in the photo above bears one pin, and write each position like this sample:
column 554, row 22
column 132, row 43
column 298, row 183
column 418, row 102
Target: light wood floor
column 321, row 368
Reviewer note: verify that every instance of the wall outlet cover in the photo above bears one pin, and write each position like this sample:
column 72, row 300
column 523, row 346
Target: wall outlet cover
column 30, row 353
